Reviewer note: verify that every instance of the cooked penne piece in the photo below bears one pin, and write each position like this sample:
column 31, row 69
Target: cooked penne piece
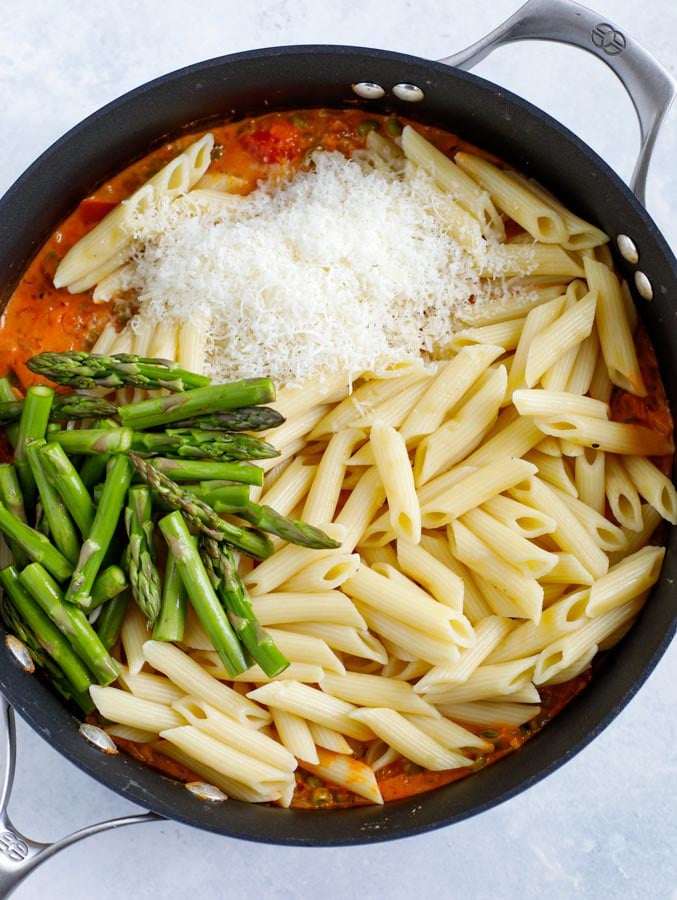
column 522, row 592
column 328, row 739
column 463, row 432
column 473, row 490
column 288, row 490
column 288, row 560
column 554, row 470
column 539, row 402
column 441, row 581
column 408, row 739
column 325, row 489
column 451, row 381
column 262, row 778
column 311, row 704
column 194, row 680
column 463, row 189
column 653, row 485
column 615, row 334
column 589, row 478
column 628, row 578
column 489, row 632
column 560, row 337
column 133, row 634
column 376, row 690
column 515, row 198
column 123, row 707
column 150, row 687
column 357, row 642
column 295, row 734
column 507, row 260
column 397, row 478
column 621, row 494
column 481, row 712
column 348, row 773
column 405, row 641
column 498, row 679
column 570, row 535
column 281, row 608
column 112, row 236
column 505, row 335
column 525, row 520
column 520, row 553
column 224, row 728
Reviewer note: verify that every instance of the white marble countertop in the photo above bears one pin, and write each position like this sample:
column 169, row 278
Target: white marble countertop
column 604, row 825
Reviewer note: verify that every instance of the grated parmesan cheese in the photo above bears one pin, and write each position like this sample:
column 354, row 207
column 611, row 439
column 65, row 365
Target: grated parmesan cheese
column 342, row 267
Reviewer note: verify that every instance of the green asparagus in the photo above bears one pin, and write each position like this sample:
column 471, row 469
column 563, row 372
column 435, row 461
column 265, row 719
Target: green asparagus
column 265, row 518
column 33, row 424
column 195, row 444
column 172, row 618
column 201, row 515
column 34, row 544
column 144, row 579
column 89, row 370
column 65, row 407
column 7, row 395
column 118, row 479
column 49, row 637
column 198, row 402
column 209, row 469
column 109, row 623
column 201, row 593
column 93, row 440
column 61, row 526
column 246, row 418
column 11, row 496
column 220, row 566
column 67, row 482
column 108, row 584
column 71, row 621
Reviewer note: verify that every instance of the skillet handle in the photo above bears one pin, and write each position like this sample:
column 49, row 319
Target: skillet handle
column 19, row 855
column 650, row 87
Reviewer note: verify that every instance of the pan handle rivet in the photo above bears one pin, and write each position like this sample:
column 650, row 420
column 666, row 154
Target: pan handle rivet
column 369, row 90
column 410, row 93
column 20, row 652
column 98, row 738
column 643, row 285
column 628, row 249
column 206, row 791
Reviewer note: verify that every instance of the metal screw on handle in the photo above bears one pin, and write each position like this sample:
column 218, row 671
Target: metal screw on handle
column 650, row 87
column 19, row 855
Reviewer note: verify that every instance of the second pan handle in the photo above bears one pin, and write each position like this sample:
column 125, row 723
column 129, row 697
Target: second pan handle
column 650, row 87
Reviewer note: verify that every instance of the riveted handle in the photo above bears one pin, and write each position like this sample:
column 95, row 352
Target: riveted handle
column 650, row 87
column 19, row 855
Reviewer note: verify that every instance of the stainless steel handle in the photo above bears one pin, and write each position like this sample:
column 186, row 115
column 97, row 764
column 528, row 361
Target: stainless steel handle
column 650, row 87
column 19, row 855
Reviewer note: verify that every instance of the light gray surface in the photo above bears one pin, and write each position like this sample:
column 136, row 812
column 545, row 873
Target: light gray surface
column 604, row 826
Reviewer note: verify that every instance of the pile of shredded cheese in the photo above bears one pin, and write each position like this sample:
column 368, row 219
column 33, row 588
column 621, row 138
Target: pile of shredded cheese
column 340, row 267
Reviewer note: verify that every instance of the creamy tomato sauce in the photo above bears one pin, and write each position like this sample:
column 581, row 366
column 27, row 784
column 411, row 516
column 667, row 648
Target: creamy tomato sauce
column 39, row 317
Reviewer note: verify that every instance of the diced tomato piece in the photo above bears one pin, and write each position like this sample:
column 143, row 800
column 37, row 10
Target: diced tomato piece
column 92, row 211
column 278, row 143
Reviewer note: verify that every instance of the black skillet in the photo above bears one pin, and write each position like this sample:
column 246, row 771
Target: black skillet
column 439, row 93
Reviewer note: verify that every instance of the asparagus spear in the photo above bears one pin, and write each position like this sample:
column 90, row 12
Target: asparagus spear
column 220, row 566
column 247, row 418
column 200, row 514
column 144, row 579
column 93, row 440
column 11, row 496
column 33, row 424
column 106, row 518
column 55, row 511
column 48, row 636
column 265, row 518
column 209, row 469
column 67, row 482
column 34, row 544
column 172, row 618
column 196, row 444
column 201, row 593
column 109, row 583
column 71, row 621
column 93, row 468
column 198, row 402
column 7, row 395
column 65, row 407
column 89, row 370
column 109, row 623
